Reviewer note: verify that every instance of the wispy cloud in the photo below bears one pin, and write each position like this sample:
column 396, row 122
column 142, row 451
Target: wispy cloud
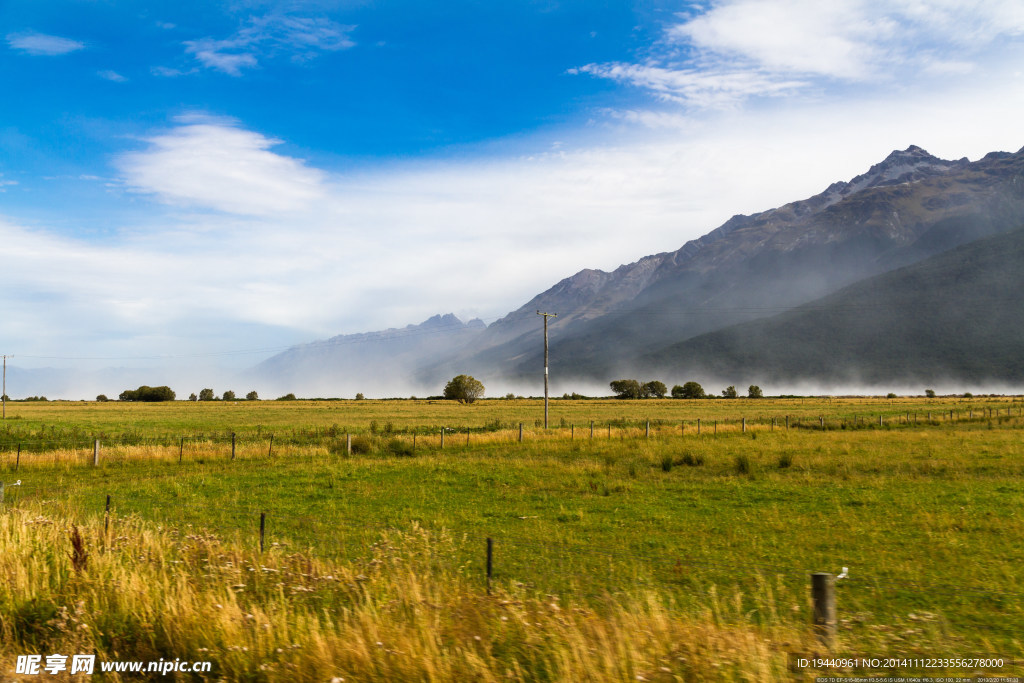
column 299, row 38
column 42, row 44
column 112, row 76
column 752, row 48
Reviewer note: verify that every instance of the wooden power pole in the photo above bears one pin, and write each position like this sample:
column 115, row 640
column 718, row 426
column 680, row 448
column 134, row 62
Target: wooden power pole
column 546, row 316
column 3, row 398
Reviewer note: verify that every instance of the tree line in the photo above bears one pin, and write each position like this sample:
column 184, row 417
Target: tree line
column 632, row 389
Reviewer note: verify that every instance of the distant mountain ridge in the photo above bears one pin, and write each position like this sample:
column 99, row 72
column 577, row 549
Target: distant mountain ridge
column 906, row 208
column 909, row 206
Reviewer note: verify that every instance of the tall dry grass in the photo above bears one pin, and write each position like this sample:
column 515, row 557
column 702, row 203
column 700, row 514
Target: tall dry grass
column 405, row 612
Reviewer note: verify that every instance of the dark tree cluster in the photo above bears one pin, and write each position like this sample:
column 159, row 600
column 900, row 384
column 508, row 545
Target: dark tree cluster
column 631, row 388
column 148, row 394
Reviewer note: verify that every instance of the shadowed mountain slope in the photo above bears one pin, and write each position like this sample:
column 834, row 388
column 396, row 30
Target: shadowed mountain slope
column 956, row 316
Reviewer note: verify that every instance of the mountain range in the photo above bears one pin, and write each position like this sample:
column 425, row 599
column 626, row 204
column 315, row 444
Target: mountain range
column 683, row 311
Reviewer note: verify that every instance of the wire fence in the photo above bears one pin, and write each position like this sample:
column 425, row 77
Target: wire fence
column 405, row 441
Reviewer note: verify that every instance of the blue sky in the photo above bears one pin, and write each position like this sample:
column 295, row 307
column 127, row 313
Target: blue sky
column 188, row 178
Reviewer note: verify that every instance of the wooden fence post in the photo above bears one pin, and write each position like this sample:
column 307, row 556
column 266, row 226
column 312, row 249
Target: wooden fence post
column 591, row 429
column 263, row 521
column 414, row 442
column 821, row 421
column 270, row 449
column 442, row 437
column 572, row 433
column 1, row 492
column 744, row 423
column 490, row 562
column 647, row 433
column 787, row 423
column 823, row 595
column 181, row 449
column 96, row 453
column 348, row 444
column 520, row 432
column 698, row 426
column 232, row 445
column 106, row 517
column 17, row 460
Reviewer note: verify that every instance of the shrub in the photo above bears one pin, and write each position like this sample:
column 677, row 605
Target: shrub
column 102, row 398
column 286, row 397
column 399, row 447
column 193, row 397
column 360, row 397
column 743, row 464
column 930, row 393
column 785, row 460
column 890, row 395
column 691, row 460
column 362, row 445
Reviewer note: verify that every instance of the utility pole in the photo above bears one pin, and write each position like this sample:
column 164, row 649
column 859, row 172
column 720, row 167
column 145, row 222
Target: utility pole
column 3, row 398
column 546, row 316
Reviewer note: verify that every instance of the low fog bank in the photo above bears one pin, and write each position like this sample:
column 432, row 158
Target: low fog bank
column 71, row 384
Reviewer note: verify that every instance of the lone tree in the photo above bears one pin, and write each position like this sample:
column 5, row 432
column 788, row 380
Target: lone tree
column 464, row 389
column 252, row 396
column 206, row 394
column 729, row 392
column 754, row 391
column 229, row 395
column 626, row 388
column 653, row 389
column 688, row 390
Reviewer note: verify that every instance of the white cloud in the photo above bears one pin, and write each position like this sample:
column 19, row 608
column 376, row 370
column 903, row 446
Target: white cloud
column 112, row 76
column 705, row 88
column 213, row 53
column 753, row 48
column 213, row 165
column 42, row 44
column 301, row 38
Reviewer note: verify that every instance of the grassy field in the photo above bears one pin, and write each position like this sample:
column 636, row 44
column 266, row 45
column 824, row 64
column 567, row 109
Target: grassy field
column 711, row 535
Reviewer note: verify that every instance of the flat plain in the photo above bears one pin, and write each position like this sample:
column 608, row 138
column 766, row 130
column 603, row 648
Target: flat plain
column 708, row 539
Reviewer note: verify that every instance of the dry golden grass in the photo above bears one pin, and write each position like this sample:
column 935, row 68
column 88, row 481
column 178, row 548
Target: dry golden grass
column 404, row 613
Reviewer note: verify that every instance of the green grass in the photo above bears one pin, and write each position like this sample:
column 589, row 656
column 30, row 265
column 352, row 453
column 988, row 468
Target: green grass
column 925, row 518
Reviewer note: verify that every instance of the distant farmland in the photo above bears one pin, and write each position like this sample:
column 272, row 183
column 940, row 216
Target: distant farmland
column 647, row 550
